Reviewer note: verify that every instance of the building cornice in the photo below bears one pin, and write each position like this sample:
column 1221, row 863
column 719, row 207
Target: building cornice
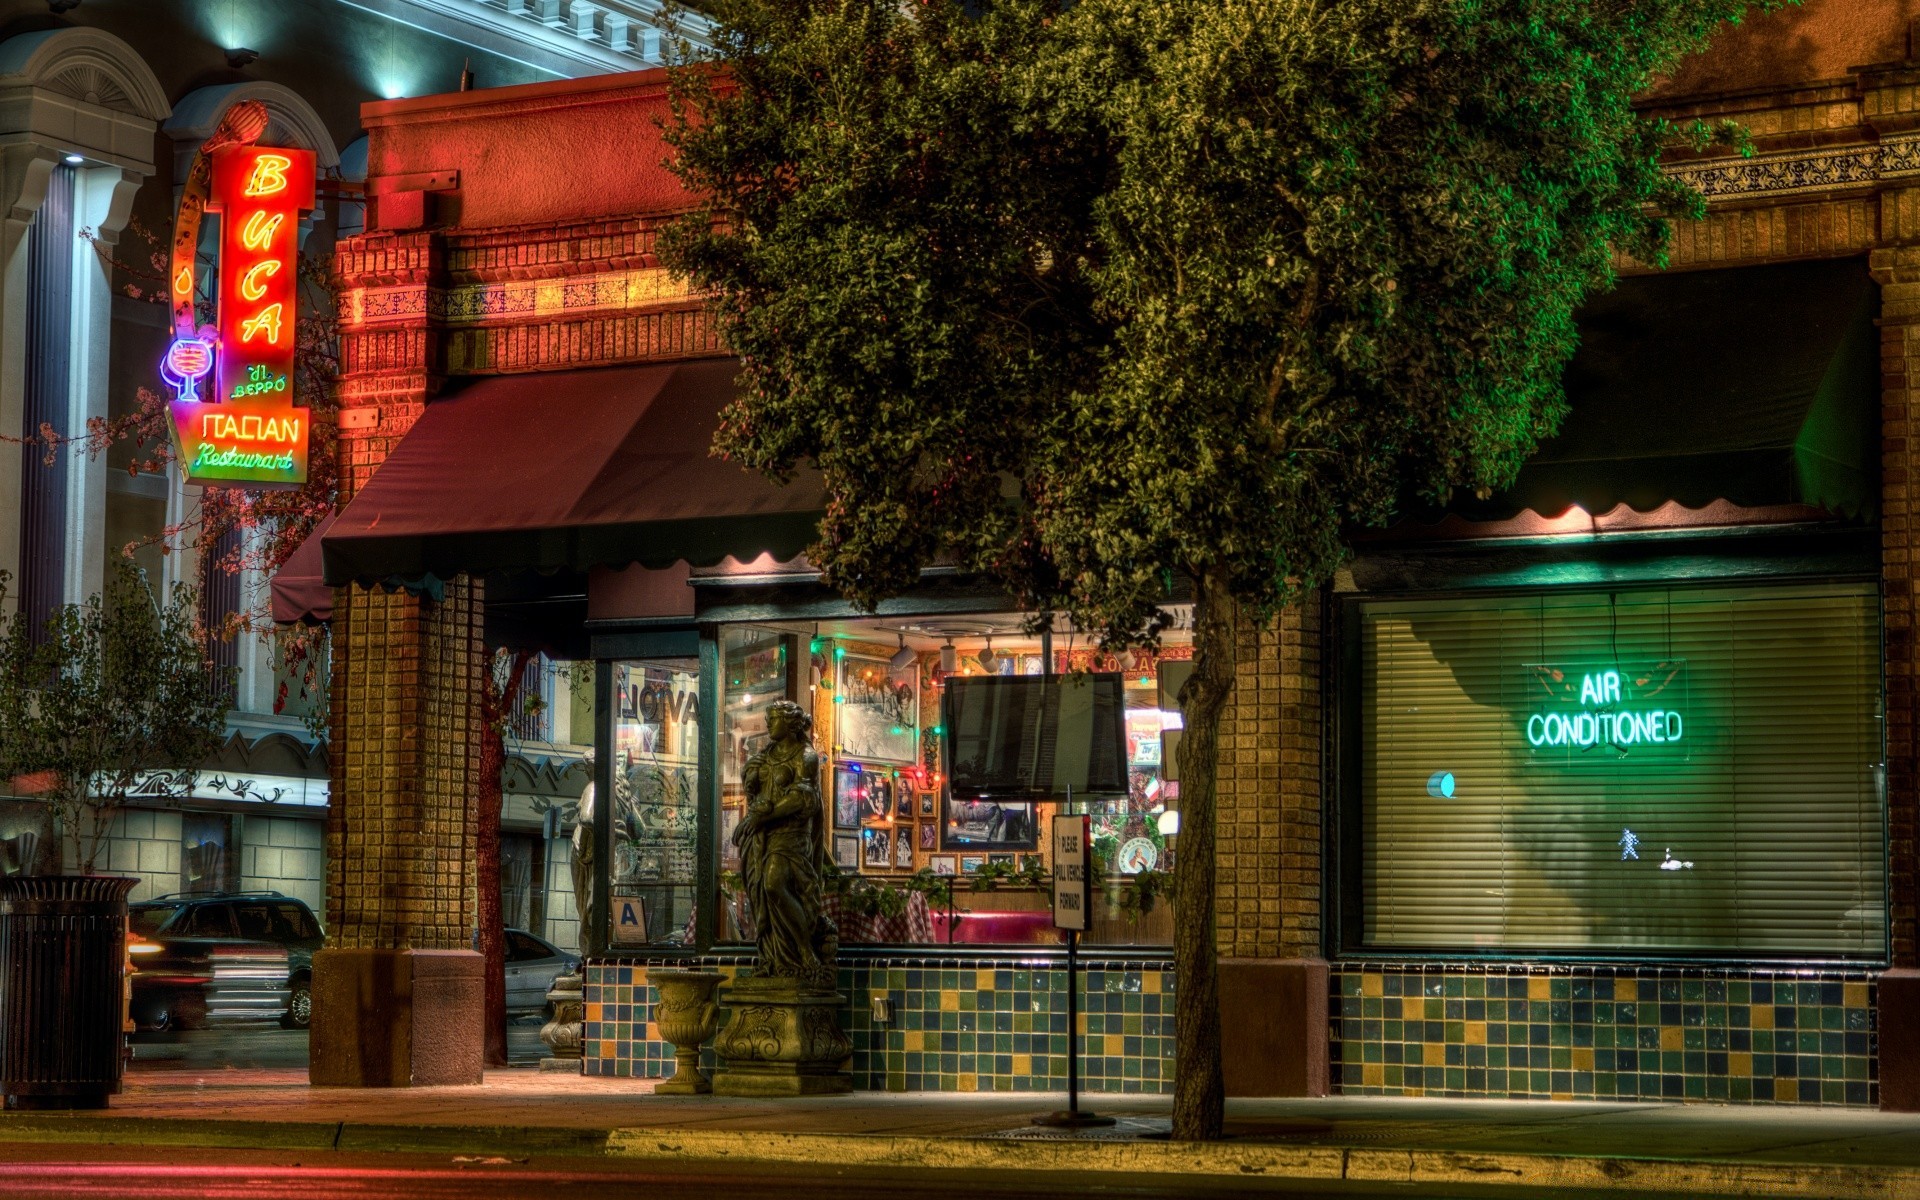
column 565, row 38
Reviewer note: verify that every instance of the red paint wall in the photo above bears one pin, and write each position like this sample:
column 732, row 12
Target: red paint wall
column 541, row 153
column 1814, row 41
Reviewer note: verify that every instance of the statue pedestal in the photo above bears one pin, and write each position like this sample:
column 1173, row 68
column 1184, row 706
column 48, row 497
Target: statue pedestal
column 784, row 1040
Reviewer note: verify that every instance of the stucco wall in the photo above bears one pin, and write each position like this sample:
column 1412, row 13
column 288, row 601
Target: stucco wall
column 1813, row 41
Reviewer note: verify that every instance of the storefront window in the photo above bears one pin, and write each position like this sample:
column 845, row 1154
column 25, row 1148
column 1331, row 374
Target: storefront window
column 912, row 859
column 656, row 784
column 1688, row 769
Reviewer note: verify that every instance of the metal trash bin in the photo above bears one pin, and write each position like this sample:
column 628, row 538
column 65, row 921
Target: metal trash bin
column 63, row 953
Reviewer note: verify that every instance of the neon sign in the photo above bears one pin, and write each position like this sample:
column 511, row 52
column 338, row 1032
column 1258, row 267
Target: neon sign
column 1629, row 709
column 247, row 431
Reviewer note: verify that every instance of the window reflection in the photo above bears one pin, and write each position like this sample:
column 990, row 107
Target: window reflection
column 656, row 775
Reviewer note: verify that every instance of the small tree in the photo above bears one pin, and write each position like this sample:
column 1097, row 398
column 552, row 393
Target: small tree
column 109, row 698
column 1125, row 301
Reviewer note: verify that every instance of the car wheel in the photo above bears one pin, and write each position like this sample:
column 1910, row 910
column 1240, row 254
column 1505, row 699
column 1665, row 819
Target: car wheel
column 299, row 1014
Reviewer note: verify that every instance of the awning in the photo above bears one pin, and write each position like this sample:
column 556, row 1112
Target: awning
column 1755, row 385
column 299, row 594
column 568, row 470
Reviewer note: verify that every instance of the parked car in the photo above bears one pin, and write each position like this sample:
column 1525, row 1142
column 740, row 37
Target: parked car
column 251, row 918
column 533, row 963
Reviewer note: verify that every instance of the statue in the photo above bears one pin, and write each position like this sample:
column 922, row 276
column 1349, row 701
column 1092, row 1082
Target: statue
column 582, row 865
column 779, row 842
column 784, row 1037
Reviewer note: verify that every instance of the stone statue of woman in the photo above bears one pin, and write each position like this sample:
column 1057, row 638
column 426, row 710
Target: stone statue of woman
column 779, row 841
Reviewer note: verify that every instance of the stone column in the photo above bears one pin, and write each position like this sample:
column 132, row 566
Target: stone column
column 1898, row 271
column 398, row 993
column 1274, row 981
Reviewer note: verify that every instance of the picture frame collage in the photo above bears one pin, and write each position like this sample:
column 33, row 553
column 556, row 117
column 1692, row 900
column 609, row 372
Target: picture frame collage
column 882, row 823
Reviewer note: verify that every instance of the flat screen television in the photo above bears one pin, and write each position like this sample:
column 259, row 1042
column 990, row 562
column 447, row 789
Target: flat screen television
column 1035, row 737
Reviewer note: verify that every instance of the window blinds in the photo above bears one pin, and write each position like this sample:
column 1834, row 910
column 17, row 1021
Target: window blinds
column 1689, row 769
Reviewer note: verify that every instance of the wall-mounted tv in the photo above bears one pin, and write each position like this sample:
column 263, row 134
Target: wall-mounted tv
column 1036, row 737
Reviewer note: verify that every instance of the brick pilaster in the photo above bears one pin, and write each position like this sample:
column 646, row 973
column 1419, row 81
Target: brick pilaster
column 1898, row 271
column 406, row 725
column 1268, row 884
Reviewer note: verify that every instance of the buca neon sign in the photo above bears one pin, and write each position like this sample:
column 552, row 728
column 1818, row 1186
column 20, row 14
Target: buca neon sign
column 1625, row 708
column 248, row 430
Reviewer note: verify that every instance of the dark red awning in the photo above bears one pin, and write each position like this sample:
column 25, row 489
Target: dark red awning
column 299, row 594
column 557, row 470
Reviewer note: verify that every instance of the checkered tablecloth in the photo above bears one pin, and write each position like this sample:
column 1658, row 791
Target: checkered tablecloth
column 914, row 926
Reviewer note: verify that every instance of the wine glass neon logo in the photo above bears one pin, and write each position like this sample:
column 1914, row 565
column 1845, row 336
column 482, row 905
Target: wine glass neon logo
column 187, row 362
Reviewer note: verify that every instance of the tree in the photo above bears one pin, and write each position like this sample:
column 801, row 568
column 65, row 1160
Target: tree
column 1126, row 302
column 109, row 698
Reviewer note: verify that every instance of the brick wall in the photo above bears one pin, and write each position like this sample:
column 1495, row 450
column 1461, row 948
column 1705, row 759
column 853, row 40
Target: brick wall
column 405, row 720
column 1899, row 274
column 1268, row 882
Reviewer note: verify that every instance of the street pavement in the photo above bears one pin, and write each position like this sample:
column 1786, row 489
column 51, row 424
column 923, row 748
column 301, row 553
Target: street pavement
column 113, row 1173
column 981, row 1144
column 268, row 1046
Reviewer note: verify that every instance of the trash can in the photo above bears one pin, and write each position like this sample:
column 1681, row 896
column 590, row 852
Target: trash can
column 63, row 953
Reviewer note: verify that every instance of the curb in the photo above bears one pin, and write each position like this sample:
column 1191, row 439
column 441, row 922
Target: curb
column 1326, row 1170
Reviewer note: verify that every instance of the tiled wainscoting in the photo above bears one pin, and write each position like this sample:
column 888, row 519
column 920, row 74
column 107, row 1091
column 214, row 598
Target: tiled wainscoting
column 985, row 1025
column 1600, row 1033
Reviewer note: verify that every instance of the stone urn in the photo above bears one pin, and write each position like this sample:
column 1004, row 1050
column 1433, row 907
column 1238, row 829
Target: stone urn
column 687, row 1015
column 563, row 1031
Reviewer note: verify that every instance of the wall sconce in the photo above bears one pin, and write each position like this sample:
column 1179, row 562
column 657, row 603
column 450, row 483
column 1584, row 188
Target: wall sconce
column 62, row 6
column 240, row 56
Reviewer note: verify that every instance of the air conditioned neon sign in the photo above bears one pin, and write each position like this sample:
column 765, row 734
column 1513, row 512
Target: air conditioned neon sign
column 248, row 430
column 1625, row 708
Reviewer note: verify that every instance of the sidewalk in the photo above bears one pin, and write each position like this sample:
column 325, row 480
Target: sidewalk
column 1329, row 1147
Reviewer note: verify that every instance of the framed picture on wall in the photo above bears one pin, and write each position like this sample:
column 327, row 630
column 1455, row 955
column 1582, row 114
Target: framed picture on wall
column 942, row 864
column 846, row 851
column 969, row 863
column 878, row 714
column 903, row 848
column 929, row 836
column 1001, row 859
column 847, row 797
column 926, row 804
column 903, row 799
column 879, row 848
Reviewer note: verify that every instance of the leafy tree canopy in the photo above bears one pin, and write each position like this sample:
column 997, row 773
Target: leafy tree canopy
column 1088, row 295
column 1096, row 296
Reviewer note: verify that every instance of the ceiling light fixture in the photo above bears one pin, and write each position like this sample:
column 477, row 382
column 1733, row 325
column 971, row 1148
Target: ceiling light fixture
column 949, row 658
column 903, row 658
column 987, row 659
column 74, row 160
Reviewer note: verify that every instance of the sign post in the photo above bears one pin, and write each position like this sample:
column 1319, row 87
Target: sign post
column 1072, row 910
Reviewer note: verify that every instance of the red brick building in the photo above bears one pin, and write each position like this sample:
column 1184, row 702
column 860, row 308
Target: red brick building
column 1604, row 788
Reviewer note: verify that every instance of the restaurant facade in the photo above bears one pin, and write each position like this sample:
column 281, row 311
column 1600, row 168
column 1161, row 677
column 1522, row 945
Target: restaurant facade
column 1602, row 788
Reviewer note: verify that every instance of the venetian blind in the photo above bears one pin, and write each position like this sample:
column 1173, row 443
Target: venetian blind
column 1694, row 769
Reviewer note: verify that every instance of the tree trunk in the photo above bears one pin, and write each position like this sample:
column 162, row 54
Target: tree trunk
column 493, row 936
column 1198, row 1098
column 496, row 704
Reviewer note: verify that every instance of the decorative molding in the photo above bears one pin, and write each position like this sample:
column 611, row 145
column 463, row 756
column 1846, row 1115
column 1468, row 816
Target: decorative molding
column 1802, row 172
column 516, row 300
column 81, row 91
column 291, row 121
column 566, row 38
